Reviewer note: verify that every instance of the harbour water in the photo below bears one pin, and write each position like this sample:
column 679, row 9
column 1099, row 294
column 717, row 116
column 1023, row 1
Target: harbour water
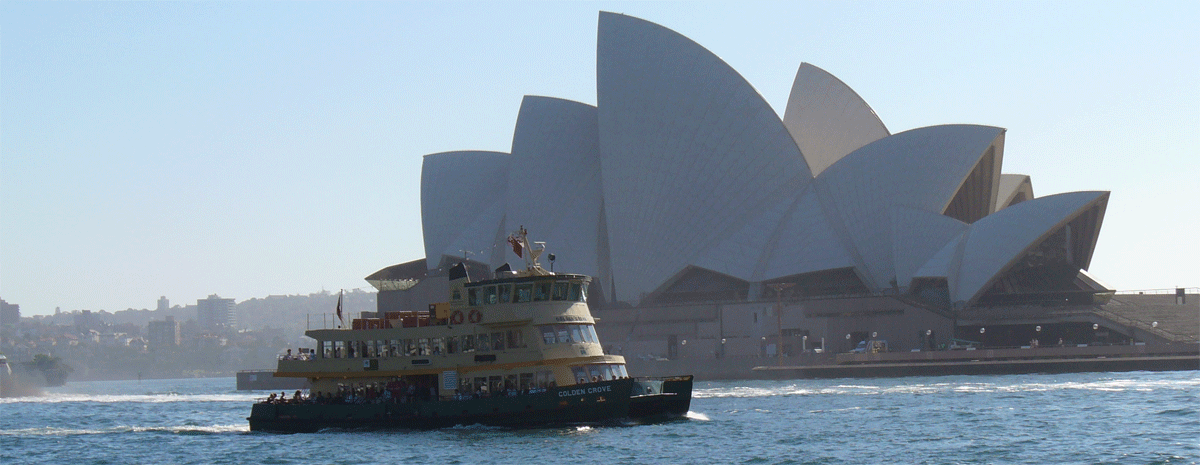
column 1085, row 418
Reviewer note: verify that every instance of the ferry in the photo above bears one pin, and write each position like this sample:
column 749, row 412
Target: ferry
column 518, row 350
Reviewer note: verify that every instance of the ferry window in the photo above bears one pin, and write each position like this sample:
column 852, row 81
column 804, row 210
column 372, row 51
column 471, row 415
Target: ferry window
column 468, row 343
column 424, row 346
column 563, row 336
column 547, row 334
column 560, row 291
column 510, row 382
column 594, row 370
column 516, row 339
column 580, row 374
column 370, row 348
column 482, row 342
column 395, row 349
column 497, row 341
column 451, row 344
column 545, row 379
column 505, row 293
column 437, row 345
column 526, row 381
column 608, row 372
column 621, row 371
column 524, row 292
column 541, row 291
column 496, row 383
column 456, row 295
column 589, row 334
column 412, row 347
column 336, row 349
column 480, row 385
column 573, row 292
column 576, row 334
column 473, row 296
column 489, row 295
column 583, row 292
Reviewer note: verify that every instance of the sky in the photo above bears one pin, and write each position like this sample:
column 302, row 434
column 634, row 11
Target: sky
column 247, row 149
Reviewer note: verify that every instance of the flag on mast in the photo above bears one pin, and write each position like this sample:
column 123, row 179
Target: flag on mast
column 516, row 245
column 339, row 308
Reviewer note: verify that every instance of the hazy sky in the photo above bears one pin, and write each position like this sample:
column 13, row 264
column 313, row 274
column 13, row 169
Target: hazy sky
column 248, row 149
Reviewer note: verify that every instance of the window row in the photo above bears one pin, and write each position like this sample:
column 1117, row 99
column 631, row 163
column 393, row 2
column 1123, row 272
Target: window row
column 599, row 372
column 483, row 342
column 558, row 334
column 527, row 292
column 493, row 385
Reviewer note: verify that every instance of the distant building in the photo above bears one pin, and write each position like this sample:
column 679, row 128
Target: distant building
column 164, row 303
column 215, row 313
column 85, row 320
column 163, row 333
column 10, row 314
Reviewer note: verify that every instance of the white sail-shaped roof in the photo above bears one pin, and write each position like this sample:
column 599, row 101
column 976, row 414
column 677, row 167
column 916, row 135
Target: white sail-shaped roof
column 995, row 243
column 554, row 182
column 1014, row 188
column 804, row 242
column 682, row 176
column 917, row 235
column 921, row 168
column 689, row 151
column 828, row 119
column 462, row 203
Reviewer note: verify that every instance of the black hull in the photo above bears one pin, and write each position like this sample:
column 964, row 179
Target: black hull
column 601, row 403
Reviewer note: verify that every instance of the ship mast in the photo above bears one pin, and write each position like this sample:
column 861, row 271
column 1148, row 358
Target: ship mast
column 522, row 247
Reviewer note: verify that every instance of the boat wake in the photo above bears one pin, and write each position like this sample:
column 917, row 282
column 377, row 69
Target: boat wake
column 1113, row 384
column 697, row 416
column 133, row 398
column 180, row 430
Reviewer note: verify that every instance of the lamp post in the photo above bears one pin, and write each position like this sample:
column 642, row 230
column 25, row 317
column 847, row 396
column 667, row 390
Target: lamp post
column 804, row 344
column 779, row 287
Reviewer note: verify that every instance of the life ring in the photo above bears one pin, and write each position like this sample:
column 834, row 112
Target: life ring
column 456, row 317
column 475, row 316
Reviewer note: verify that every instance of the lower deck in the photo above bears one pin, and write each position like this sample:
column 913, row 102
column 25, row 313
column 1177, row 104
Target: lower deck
column 605, row 402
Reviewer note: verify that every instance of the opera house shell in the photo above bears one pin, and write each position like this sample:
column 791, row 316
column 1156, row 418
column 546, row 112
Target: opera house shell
column 682, row 185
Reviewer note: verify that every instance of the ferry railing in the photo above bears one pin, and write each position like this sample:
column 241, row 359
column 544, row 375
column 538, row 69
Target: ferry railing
column 327, row 321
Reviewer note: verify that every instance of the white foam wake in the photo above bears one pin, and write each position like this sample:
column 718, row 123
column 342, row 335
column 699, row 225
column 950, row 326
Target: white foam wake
column 135, row 398
column 175, row 429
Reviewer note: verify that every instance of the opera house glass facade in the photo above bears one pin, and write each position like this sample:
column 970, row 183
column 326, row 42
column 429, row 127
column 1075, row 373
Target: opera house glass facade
column 682, row 186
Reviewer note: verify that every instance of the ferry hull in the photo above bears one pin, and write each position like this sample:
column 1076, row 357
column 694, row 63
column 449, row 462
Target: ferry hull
column 605, row 402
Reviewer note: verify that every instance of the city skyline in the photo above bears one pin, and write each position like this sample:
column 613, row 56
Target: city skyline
column 250, row 149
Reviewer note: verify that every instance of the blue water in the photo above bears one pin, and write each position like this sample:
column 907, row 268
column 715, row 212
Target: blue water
column 1085, row 418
